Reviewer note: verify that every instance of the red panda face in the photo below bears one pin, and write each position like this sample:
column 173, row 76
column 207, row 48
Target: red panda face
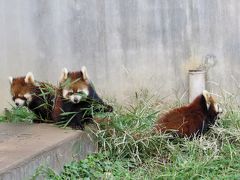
column 22, row 89
column 212, row 106
column 74, row 85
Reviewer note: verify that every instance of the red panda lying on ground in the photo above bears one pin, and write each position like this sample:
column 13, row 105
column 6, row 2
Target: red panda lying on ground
column 37, row 96
column 78, row 99
column 190, row 120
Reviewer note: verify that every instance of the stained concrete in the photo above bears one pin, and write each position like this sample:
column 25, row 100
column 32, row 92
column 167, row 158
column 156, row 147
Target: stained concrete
column 25, row 147
column 125, row 44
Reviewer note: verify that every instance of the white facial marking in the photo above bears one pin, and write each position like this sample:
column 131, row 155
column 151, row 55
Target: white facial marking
column 19, row 102
column 28, row 96
column 65, row 93
column 217, row 108
column 75, row 98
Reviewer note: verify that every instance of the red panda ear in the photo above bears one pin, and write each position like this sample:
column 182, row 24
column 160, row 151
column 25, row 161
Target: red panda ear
column 64, row 75
column 84, row 73
column 207, row 97
column 10, row 78
column 29, row 78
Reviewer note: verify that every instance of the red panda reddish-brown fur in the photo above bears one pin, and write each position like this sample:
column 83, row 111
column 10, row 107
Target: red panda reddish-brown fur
column 193, row 119
column 76, row 99
column 35, row 95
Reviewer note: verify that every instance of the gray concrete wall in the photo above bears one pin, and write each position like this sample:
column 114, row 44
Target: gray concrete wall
column 125, row 44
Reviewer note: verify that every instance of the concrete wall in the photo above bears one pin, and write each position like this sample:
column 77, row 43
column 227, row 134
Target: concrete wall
column 125, row 44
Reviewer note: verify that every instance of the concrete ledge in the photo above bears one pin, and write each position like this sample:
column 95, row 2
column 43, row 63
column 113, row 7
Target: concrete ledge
column 25, row 147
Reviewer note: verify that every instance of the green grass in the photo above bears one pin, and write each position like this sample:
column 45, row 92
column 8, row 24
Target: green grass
column 129, row 150
column 17, row 114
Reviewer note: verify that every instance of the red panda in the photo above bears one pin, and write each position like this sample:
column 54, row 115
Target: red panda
column 190, row 120
column 78, row 99
column 37, row 96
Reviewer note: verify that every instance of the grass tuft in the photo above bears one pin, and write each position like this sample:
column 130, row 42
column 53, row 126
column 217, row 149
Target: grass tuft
column 17, row 114
column 128, row 149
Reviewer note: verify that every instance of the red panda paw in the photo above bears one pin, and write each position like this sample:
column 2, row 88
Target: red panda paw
column 77, row 127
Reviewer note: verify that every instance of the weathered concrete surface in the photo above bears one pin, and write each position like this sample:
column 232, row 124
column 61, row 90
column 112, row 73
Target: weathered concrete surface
column 125, row 44
column 24, row 147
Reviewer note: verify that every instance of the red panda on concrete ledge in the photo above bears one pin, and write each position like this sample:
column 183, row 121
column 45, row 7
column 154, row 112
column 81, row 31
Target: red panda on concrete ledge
column 190, row 120
column 77, row 100
column 37, row 96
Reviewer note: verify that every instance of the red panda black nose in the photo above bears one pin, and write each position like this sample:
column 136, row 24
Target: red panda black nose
column 75, row 100
column 17, row 104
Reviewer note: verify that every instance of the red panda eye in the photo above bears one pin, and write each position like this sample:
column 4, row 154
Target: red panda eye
column 70, row 93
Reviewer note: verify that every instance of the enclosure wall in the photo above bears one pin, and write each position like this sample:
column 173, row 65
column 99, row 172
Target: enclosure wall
column 127, row 45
